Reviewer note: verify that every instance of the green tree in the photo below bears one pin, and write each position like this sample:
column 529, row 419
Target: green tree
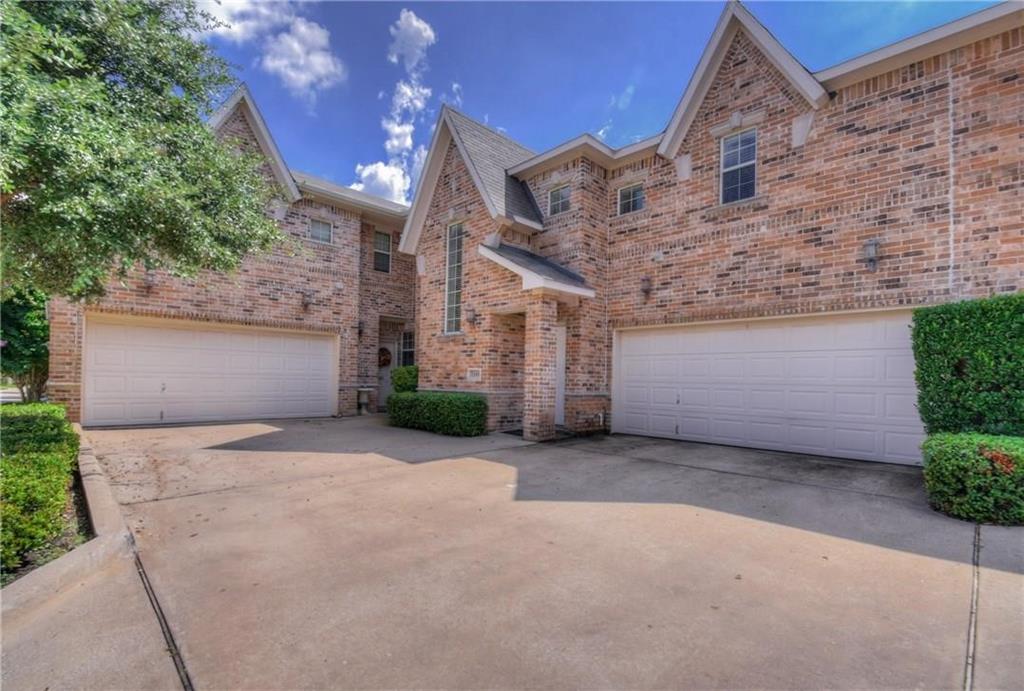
column 25, row 335
column 106, row 163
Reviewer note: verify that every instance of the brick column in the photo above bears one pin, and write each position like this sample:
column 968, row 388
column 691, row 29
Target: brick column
column 66, row 329
column 539, row 381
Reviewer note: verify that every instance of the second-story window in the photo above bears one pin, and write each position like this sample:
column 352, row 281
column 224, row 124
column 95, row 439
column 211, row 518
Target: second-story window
column 739, row 166
column 382, row 252
column 631, row 199
column 319, row 230
column 558, row 200
column 453, row 280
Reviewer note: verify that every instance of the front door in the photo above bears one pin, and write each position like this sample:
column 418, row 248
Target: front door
column 560, row 375
column 385, row 363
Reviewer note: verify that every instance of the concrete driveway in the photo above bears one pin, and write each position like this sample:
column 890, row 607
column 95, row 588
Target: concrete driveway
column 347, row 554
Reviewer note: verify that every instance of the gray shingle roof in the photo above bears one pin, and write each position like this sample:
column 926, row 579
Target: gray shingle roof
column 540, row 265
column 490, row 154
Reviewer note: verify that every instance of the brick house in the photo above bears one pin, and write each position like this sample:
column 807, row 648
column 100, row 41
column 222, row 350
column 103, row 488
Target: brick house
column 294, row 332
column 745, row 276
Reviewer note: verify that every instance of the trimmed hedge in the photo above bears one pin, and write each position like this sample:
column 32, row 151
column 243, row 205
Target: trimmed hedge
column 38, row 455
column 976, row 477
column 405, row 378
column 969, row 360
column 454, row 414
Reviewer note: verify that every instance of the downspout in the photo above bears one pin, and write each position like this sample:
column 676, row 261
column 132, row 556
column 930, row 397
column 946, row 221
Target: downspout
column 951, row 195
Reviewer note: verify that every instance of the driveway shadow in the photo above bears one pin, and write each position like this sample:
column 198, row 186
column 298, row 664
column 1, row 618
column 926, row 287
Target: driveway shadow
column 872, row 503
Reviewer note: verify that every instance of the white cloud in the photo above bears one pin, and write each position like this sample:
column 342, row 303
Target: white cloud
column 456, row 96
column 409, row 97
column 301, row 57
column 410, row 38
column 419, row 159
column 399, row 139
column 244, row 20
column 622, row 101
column 388, row 180
column 603, row 132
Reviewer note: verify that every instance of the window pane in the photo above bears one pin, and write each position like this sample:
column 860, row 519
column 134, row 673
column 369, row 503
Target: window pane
column 453, row 281
column 382, row 242
column 382, row 262
column 319, row 230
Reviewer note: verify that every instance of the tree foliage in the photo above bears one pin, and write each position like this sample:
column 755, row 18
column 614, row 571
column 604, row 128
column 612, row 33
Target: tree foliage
column 106, row 162
column 25, row 333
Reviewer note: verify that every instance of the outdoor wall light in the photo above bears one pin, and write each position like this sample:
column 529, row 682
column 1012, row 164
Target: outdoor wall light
column 646, row 286
column 471, row 316
column 359, row 328
column 149, row 281
column 307, row 299
column 871, row 254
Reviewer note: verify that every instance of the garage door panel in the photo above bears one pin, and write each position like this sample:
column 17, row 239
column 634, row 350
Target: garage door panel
column 838, row 385
column 146, row 374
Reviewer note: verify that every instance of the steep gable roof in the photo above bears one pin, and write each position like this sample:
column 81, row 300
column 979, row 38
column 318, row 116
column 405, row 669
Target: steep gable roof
column 242, row 98
column 488, row 155
column 734, row 18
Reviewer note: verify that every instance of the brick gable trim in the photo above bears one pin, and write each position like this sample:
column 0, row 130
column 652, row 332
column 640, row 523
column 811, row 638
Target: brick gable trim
column 735, row 18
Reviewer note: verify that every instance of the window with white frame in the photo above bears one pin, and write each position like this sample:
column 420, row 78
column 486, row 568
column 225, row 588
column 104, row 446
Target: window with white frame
column 739, row 166
column 453, row 280
column 382, row 252
column 631, row 199
column 408, row 348
column 320, row 231
column 558, row 200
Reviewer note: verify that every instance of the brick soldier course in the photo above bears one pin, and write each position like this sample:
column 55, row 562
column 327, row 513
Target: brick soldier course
column 917, row 150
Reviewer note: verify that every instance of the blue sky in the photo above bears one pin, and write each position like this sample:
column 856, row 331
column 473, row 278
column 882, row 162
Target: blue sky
column 350, row 91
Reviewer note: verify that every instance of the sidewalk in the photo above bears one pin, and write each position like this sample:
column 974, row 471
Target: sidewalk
column 101, row 633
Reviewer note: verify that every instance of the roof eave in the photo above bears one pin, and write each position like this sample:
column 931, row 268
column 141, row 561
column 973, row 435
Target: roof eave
column 987, row 22
column 351, row 199
column 585, row 145
column 532, row 279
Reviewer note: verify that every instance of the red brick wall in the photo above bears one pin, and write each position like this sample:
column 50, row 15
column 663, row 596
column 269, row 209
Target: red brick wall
column 875, row 166
column 266, row 291
column 383, row 295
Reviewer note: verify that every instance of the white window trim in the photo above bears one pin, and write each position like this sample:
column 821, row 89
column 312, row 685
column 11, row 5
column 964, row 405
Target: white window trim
column 618, row 199
column 309, row 231
column 447, row 266
column 402, row 350
column 558, row 189
column 376, row 251
column 722, row 169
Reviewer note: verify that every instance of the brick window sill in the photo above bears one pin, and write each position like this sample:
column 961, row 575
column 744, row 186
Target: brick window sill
column 759, row 202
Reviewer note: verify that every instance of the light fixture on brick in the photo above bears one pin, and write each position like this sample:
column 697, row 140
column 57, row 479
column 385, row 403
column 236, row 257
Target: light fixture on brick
column 871, row 254
column 646, row 286
column 471, row 316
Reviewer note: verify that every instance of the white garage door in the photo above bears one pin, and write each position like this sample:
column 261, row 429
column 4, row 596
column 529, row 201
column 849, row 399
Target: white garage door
column 159, row 372
column 836, row 386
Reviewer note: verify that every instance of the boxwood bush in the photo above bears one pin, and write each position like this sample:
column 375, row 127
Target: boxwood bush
column 38, row 455
column 454, row 414
column 969, row 359
column 976, row 477
column 405, row 378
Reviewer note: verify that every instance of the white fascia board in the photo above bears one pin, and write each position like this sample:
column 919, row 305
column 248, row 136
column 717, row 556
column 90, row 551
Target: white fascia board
column 988, row 22
column 585, row 144
column 532, row 279
column 243, row 96
column 350, row 197
column 733, row 18
column 425, row 187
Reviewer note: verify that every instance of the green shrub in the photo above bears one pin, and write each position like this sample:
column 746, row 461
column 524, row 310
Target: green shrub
column 38, row 454
column 969, row 360
column 454, row 414
column 405, row 379
column 976, row 477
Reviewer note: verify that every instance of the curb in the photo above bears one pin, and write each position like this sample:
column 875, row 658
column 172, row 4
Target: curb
column 112, row 540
